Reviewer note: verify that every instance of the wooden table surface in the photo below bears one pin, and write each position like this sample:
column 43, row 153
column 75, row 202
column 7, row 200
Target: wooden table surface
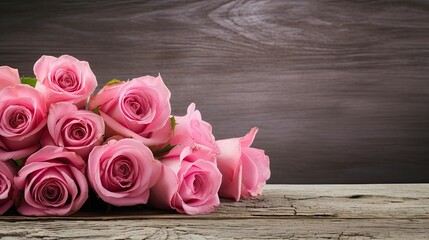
column 376, row 211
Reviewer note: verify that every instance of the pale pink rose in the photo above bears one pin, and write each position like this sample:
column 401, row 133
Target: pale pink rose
column 122, row 172
column 192, row 131
column 245, row 170
column 189, row 187
column 52, row 182
column 8, row 76
column 23, row 115
column 75, row 130
column 139, row 109
column 64, row 79
column 7, row 192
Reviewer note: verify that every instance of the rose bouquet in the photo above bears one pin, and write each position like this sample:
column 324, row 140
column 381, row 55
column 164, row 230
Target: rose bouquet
column 59, row 144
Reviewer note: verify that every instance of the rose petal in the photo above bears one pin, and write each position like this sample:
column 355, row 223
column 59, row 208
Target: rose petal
column 7, row 190
column 18, row 154
column 247, row 140
column 41, row 67
column 8, row 76
column 208, row 207
column 115, row 128
column 162, row 192
column 255, row 159
column 48, row 153
column 229, row 165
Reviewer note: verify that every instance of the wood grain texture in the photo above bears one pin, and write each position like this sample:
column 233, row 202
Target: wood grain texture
column 339, row 89
column 283, row 212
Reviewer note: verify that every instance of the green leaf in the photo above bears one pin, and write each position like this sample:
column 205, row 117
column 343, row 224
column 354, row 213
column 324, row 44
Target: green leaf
column 113, row 81
column 29, row 81
column 173, row 122
column 164, row 151
column 19, row 162
column 96, row 110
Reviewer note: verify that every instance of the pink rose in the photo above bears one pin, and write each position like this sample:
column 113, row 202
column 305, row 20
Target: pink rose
column 122, row 172
column 8, row 76
column 23, row 115
column 64, row 79
column 139, row 109
column 192, row 131
column 189, row 187
column 52, row 182
column 245, row 170
column 75, row 130
column 7, row 192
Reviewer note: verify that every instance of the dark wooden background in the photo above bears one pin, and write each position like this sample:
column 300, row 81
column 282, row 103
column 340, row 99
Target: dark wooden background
column 339, row 89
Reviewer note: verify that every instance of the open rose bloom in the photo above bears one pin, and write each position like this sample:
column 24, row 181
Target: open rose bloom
column 75, row 130
column 23, row 115
column 188, row 183
column 138, row 109
column 52, row 182
column 61, row 146
column 64, row 79
column 122, row 172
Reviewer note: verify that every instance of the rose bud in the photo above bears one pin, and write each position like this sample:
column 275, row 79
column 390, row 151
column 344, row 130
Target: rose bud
column 7, row 192
column 8, row 76
column 139, row 109
column 52, row 182
column 23, row 115
column 245, row 170
column 64, row 79
column 75, row 130
column 189, row 187
column 122, row 172
column 192, row 131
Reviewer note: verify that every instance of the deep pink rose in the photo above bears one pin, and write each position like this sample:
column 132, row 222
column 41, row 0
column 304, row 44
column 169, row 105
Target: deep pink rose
column 122, row 172
column 192, row 131
column 7, row 192
column 75, row 130
column 23, row 115
column 64, row 79
column 189, row 187
column 139, row 109
column 245, row 170
column 52, row 182
column 8, row 76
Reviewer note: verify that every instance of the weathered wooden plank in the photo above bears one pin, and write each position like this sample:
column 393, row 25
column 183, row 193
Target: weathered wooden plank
column 284, row 211
column 400, row 201
column 220, row 229
column 336, row 201
column 338, row 88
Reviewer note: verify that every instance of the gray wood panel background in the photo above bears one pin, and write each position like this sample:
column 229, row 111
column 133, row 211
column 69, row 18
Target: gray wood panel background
column 339, row 89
